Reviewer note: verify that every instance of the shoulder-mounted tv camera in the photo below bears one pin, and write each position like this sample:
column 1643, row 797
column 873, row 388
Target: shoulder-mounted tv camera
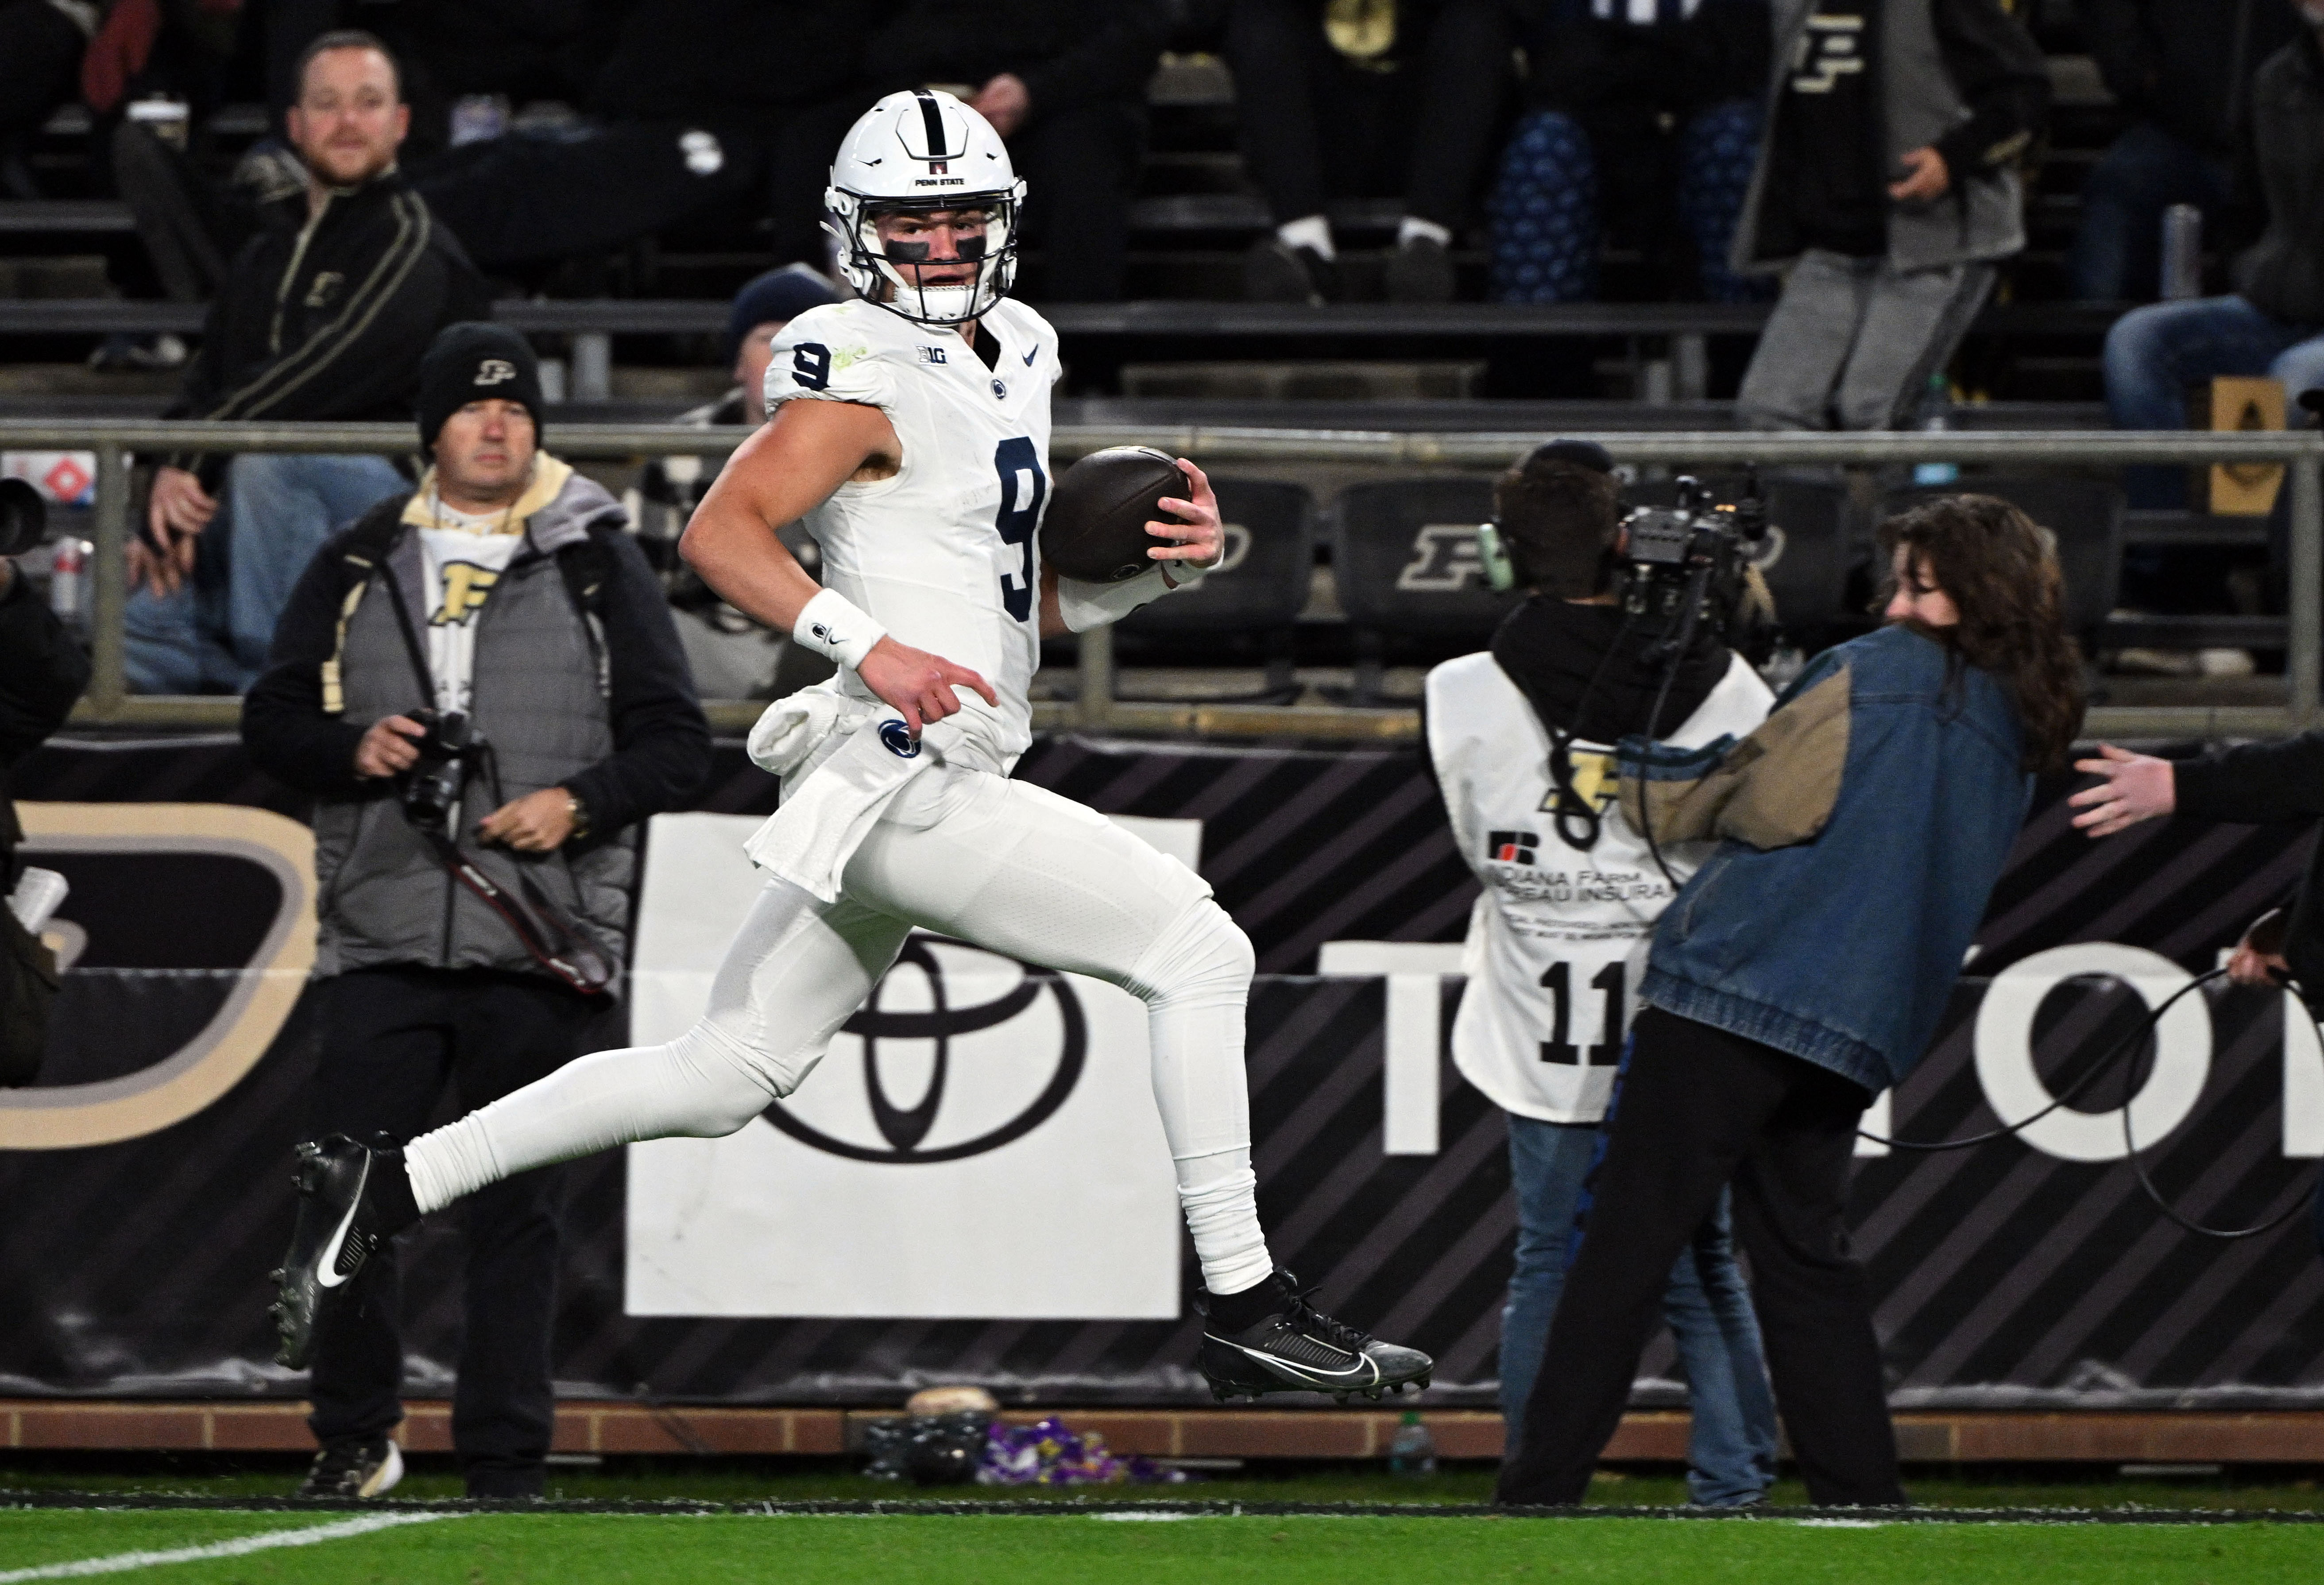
column 1688, row 566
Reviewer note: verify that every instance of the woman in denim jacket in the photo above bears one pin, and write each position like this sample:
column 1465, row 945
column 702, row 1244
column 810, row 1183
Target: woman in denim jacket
column 1804, row 970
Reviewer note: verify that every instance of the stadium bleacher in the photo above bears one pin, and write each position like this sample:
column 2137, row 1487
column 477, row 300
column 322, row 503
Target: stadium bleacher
column 634, row 340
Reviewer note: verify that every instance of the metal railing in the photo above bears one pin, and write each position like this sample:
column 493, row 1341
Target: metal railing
column 1094, row 708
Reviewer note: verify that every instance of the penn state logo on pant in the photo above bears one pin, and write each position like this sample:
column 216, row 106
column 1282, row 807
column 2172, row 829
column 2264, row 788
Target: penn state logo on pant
column 899, row 740
column 962, row 1108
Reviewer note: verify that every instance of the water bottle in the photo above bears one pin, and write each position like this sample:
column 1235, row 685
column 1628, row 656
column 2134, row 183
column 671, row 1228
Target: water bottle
column 67, row 570
column 1412, row 1451
column 2182, row 251
column 1937, row 407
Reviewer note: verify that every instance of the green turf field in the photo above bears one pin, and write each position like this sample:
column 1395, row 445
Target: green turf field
column 566, row 1549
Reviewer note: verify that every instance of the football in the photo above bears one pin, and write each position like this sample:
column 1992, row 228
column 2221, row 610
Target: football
column 1095, row 529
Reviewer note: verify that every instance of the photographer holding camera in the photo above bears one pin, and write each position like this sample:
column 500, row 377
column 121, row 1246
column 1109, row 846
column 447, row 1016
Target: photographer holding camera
column 41, row 671
column 1522, row 741
column 481, row 684
column 1801, row 971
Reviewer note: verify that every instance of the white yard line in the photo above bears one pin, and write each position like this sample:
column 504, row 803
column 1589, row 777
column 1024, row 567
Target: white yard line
column 123, row 1562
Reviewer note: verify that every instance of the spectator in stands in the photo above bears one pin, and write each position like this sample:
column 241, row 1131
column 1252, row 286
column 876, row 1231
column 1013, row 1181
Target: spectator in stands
column 40, row 48
column 503, row 587
column 1353, row 97
column 323, row 315
column 1521, row 737
column 702, row 105
column 2183, row 69
column 2273, row 323
column 1886, row 189
column 1630, row 104
column 1064, row 81
column 731, row 656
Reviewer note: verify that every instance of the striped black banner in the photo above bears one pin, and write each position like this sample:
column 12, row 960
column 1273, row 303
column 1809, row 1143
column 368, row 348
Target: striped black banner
column 2006, row 1276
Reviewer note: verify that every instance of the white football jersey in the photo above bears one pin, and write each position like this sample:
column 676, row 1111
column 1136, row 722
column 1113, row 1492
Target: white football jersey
column 1557, row 940
column 944, row 554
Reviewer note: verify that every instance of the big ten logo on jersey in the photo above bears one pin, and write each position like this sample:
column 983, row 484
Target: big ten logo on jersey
column 1444, row 560
column 467, row 586
column 1830, row 49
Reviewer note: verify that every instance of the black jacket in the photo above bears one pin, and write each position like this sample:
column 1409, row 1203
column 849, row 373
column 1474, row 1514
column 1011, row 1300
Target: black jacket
column 2262, row 783
column 661, row 743
column 1068, row 52
column 1578, row 62
column 2185, row 64
column 41, row 671
column 2276, row 204
column 727, row 63
column 326, row 317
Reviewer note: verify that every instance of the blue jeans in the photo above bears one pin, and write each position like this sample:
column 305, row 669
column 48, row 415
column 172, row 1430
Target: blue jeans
column 1731, row 1449
column 2117, row 253
column 212, row 635
column 2154, row 354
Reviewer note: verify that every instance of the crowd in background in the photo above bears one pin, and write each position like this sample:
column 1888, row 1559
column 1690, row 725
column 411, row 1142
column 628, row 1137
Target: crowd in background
column 1861, row 164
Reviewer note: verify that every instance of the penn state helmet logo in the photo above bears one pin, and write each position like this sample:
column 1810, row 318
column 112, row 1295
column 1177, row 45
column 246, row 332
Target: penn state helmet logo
column 899, row 740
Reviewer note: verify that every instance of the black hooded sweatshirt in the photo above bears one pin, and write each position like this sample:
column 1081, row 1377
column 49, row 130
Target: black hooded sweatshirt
column 1589, row 672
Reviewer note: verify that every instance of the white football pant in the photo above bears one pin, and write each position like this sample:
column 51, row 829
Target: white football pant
column 999, row 864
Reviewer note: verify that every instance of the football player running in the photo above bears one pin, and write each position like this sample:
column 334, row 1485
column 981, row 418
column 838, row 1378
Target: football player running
column 911, row 432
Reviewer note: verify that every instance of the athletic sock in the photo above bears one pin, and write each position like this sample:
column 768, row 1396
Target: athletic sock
column 1308, row 231
column 1412, row 227
column 389, row 1191
column 1240, row 1311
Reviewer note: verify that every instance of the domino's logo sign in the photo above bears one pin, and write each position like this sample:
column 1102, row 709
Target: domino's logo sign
column 899, row 740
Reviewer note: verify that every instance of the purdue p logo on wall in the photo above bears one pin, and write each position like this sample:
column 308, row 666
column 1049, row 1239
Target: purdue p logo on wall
column 185, row 1080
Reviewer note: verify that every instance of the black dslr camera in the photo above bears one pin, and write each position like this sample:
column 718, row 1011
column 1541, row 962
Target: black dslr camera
column 24, row 517
column 431, row 788
column 1687, row 566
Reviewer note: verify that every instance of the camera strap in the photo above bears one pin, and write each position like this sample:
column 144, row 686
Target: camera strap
column 549, row 936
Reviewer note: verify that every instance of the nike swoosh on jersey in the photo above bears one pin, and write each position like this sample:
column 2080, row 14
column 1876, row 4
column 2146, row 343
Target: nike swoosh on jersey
column 326, row 1276
column 1031, row 356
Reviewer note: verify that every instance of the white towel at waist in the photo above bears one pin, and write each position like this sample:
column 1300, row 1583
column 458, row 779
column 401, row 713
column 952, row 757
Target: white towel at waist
column 840, row 762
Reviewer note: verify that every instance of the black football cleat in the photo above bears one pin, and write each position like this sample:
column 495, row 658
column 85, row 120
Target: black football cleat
column 354, row 1467
column 1295, row 1348
column 352, row 1197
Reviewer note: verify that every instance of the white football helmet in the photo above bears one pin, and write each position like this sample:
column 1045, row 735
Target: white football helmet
column 923, row 149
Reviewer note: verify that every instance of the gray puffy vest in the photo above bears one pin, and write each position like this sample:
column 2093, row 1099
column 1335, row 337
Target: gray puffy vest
column 539, row 700
column 1979, row 218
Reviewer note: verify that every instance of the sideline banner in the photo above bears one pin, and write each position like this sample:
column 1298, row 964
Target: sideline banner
column 849, row 1247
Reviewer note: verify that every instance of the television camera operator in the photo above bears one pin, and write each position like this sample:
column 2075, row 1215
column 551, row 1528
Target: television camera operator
column 43, row 670
column 1803, row 970
column 480, row 683
column 1522, row 739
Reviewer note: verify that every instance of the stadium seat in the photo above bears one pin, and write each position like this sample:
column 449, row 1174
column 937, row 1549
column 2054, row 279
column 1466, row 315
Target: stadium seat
column 2085, row 513
column 1260, row 589
column 1403, row 560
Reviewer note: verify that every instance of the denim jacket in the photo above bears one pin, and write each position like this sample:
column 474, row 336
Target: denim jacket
column 1865, row 827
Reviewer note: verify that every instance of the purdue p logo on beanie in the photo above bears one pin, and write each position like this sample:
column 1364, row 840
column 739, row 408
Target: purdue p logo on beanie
column 474, row 362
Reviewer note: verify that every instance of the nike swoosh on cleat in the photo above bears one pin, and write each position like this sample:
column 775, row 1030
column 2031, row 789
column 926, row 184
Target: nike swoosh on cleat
column 325, row 1275
column 1292, row 1365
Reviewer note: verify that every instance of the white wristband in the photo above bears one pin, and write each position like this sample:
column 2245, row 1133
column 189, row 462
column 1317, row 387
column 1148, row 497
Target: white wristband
column 1084, row 605
column 829, row 626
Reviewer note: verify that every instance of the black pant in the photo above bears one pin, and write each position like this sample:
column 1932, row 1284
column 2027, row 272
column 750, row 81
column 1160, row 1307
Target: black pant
column 1698, row 1107
column 1314, row 126
column 390, row 1039
column 1079, row 166
column 519, row 200
column 40, row 63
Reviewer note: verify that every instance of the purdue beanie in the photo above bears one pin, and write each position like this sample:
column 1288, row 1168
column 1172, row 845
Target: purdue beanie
column 473, row 362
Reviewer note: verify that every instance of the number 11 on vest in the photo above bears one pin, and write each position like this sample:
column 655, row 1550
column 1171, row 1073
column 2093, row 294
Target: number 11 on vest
column 1558, row 1048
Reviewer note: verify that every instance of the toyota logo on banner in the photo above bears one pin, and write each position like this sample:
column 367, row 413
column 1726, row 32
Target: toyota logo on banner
column 924, row 1100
